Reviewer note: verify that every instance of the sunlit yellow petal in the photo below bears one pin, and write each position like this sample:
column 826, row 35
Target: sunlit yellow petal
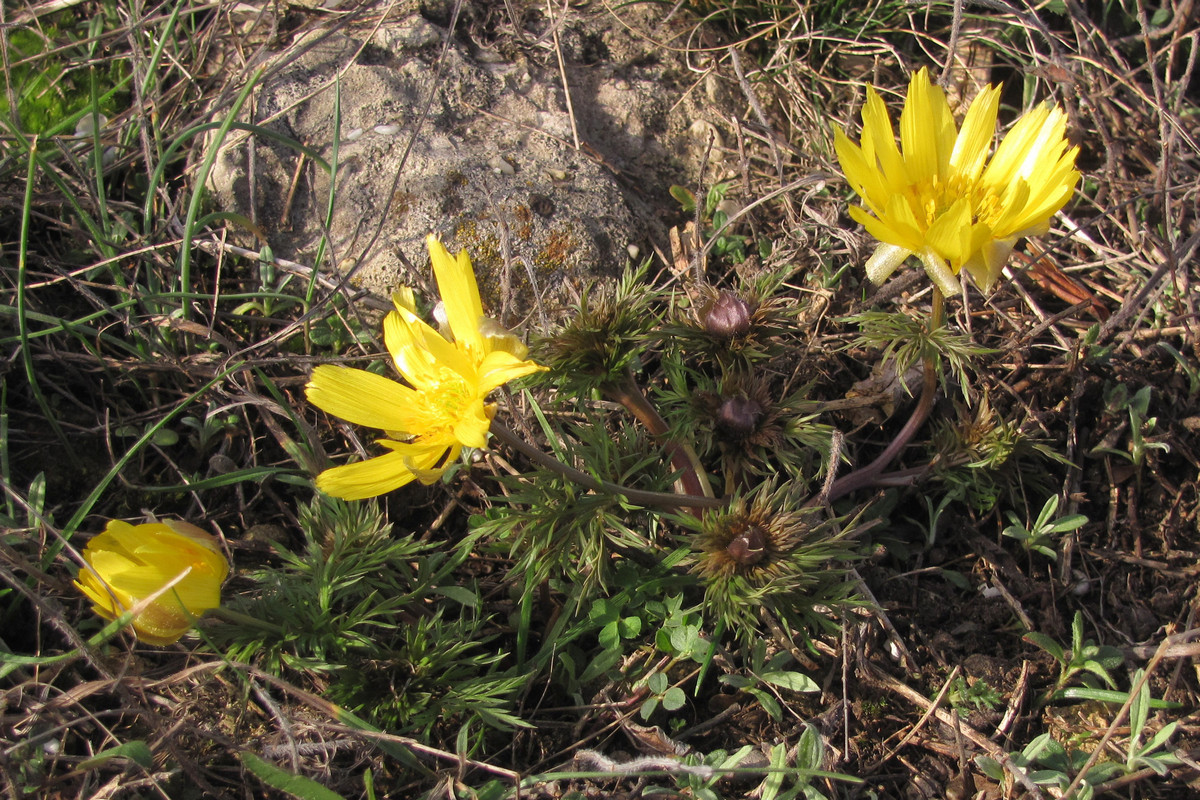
column 429, row 470
column 362, row 397
column 460, row 294
column 369, row 478
column 940, row 196
column 420, row 353
column 404, row 300
column 950, row 234
column 497, row 337
column 879, row 149
column 499, row 367
column 471, row 428
column 167, row 574
column 862, row 174
column 927, row 132
column 975, row 138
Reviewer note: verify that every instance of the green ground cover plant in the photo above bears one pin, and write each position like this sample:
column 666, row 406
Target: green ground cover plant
column 795, row 512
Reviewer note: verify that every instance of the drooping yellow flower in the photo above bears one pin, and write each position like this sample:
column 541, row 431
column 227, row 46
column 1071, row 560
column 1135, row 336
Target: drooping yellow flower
column 130, row 563
column 938, row 196
column 449, row 375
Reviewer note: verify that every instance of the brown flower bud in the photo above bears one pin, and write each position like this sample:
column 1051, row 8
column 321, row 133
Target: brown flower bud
column 739, row 416
column 749, row 546
column 727, row 316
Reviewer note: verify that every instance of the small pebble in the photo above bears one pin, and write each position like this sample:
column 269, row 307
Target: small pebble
column 84, row 126
column 501, row 166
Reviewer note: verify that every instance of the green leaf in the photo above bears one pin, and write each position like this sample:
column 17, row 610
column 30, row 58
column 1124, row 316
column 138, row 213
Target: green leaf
column 774, row 781
column 767, row 702
column 459, row 594
column 685, row 198
column 648, row 708
column 1099, row 670
column 1106, row 696
column 955, row 579
column 136, row 751
column 600, row 665
column 609, row 636
column 1139, row 709
column 165, row 437
column 736, row 681
column 791, row 680
column 1046, row 643
column 287, row 782
column 990, row 767
column 1036, row 747
column 684, row 639
column 674, row 699
column 1160, row 739
column 811, row 751
column 1069, row 523
column 629, row 627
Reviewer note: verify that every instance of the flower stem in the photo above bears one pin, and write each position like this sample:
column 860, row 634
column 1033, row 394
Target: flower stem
column 869, row 475
column 692, row 479
column 637, row 496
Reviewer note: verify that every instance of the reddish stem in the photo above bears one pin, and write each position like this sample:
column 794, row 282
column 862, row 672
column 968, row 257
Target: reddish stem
column 869, row 475
column 631, row 396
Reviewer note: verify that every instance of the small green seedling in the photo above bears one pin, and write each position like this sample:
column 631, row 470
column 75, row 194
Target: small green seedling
column 1040, row 535
column 1085, row 656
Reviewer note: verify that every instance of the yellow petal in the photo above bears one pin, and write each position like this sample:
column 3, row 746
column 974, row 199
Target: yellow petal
column 927, row 132
column 975, row 139
column 987, row 267
column 879, row 144
column 471, row 428
column 167, row 574
column 429, row 466
column 460, row 294
column 499, row 367
column 861, row 173
column 369, row 478
column 361, row 397
column 404, row 300
column 950, row 234
column 421, row 353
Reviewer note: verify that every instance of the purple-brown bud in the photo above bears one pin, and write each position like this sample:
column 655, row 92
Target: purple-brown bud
column 739, row 415
column 749, row 546
column 727, row 316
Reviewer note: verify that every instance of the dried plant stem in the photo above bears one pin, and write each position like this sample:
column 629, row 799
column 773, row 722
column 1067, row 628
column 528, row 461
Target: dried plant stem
column 638, row 496
column 868, row 475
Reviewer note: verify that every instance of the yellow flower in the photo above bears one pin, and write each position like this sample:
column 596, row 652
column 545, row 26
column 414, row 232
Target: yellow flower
column 130, row 563
column 939, row 197
column 449, row 376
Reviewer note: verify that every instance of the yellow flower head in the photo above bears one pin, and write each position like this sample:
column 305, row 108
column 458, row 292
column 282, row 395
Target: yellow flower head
column 938, row 196
column 130, row 563
column 449, row 376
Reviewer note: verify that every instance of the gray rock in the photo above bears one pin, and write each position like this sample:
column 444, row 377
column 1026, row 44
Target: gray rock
column 492, row 168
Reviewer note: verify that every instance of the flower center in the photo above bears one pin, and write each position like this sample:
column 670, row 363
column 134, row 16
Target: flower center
column 443, row 402
column 937, row 194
